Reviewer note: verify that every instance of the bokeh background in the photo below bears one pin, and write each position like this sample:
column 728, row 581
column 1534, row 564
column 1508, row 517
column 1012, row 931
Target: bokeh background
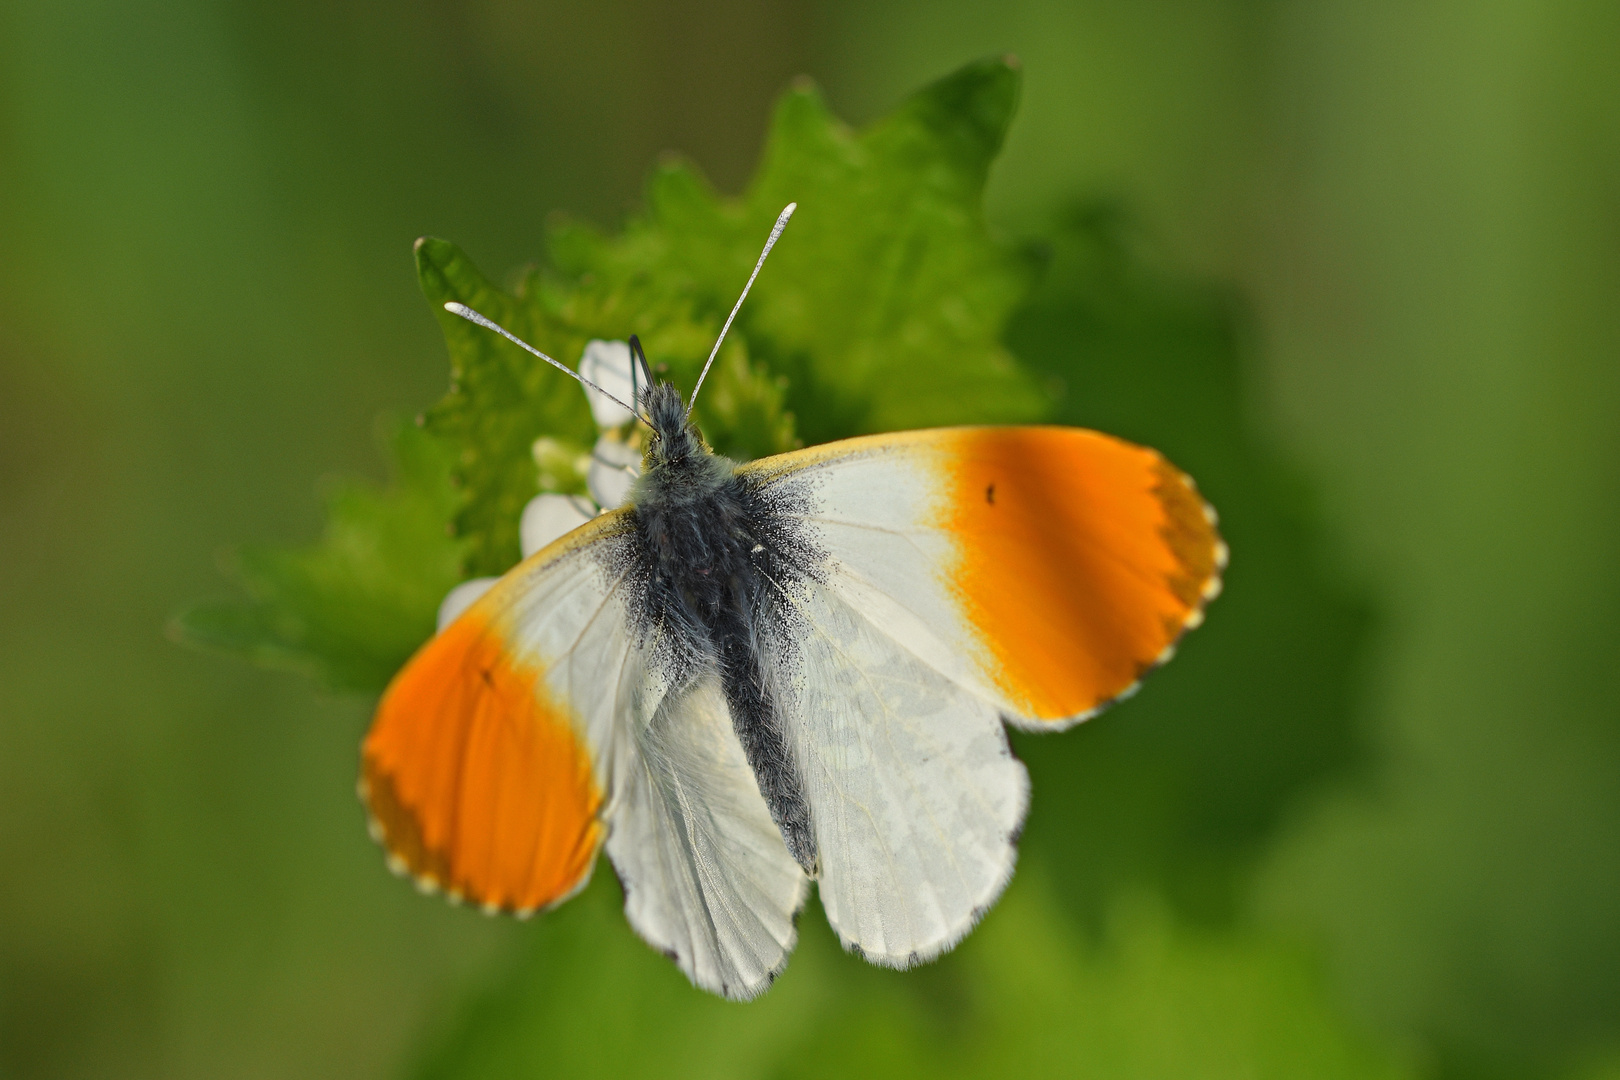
column 1355, row 264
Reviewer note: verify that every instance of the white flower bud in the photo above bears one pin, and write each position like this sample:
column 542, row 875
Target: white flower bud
column 549, row 516
column 614, row 467
column 461, row 598
column 607, row 364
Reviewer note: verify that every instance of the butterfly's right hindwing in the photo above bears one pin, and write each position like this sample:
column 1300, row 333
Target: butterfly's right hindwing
column 915, row 795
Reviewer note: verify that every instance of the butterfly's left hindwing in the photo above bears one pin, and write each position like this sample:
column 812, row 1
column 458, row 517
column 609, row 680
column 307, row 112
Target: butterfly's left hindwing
column 915, row 796
column 707, row 877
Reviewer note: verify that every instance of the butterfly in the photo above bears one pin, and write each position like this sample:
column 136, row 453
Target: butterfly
column 749, row 677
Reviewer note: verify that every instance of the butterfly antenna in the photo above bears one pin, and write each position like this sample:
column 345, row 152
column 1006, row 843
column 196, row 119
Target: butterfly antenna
column 781, row 223
column 638, row 364
column 473, row 317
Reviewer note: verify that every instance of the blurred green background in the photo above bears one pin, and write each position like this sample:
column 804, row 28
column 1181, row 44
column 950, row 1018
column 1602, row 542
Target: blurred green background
column 1355, row 265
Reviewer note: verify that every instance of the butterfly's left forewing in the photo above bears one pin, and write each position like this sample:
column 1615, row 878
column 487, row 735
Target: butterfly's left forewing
column 486, row 767
column 539, row 725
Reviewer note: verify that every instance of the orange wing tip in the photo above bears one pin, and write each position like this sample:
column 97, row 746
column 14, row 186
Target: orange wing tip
column 1212, row 586
column 1101, row 707
column 1223, row 555
column 429, row 883
column 461, row 706
column 1083, row 560
column 425, row 884
column 1194, row 619
column 403, row 860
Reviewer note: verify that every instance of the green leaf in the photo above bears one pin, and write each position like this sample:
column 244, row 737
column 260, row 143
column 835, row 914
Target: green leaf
column 884, row 301
column 887, row 308
column 746, row 403
column 881, row 307
column 350, row 609
column 501, row 400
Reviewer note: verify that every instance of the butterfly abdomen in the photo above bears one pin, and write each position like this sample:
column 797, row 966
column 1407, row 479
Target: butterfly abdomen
column 712, row 555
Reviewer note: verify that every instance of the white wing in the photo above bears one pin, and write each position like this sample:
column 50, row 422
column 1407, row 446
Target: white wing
column 948, row 581
column 915, row 796
column 707, row 877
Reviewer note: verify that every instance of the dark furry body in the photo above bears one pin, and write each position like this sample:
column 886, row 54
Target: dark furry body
column 713, row 551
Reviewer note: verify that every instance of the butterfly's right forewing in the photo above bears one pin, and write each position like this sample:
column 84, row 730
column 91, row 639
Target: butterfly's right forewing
column 1046, row 569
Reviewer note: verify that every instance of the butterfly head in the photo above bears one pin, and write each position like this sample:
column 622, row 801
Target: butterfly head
column 675, row 440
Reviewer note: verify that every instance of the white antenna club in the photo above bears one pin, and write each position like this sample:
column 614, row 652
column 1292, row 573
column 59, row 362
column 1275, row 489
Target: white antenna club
column 781, row 223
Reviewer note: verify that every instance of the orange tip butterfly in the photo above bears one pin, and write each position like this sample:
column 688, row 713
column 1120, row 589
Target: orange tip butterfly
column 748, row 677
